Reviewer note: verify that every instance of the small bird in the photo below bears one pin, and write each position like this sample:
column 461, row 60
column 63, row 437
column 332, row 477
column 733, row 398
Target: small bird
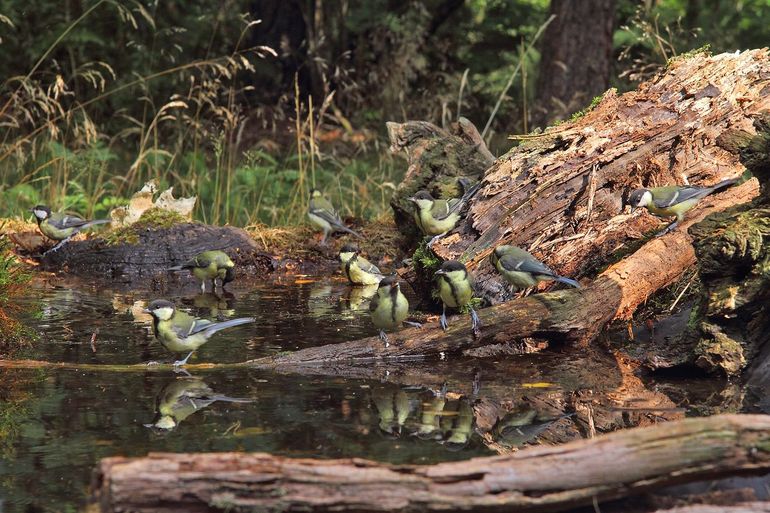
column 435, row 217
column 455, row 288
column 522, row 270
column 183, row 397
column 673, row 200
column 179, row 332
column 389, row 307
column 358, row 269
column 60, row 227
column 323, row 216
column 210, row 265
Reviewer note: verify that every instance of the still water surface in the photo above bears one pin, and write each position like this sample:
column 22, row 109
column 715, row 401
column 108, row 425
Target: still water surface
column 55, row 424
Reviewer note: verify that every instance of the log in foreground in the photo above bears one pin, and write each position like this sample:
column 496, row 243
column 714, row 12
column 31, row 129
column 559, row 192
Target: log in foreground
column 543, row 478
column 572, row 315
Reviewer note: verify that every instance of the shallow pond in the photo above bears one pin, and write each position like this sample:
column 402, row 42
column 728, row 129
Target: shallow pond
column 55, row 424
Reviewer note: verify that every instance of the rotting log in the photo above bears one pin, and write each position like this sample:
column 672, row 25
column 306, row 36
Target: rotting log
column 560, row 193
column 573, row 315
column 748, row 507
column 155, row 250
column 543, row 478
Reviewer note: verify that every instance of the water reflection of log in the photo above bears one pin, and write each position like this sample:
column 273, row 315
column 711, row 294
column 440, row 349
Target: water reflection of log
column 624, row 463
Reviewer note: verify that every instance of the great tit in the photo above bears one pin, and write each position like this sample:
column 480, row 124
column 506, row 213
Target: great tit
column 183, row 397
column 358, row 269
column 210, row 265
column 323, row 216
column 522, row 270
column 389, row 307
column 392, row 408
column 60, row 227
column 455, row 288
column 429, row 427
column 179, row 332
column 673, row 200
column 435, row 217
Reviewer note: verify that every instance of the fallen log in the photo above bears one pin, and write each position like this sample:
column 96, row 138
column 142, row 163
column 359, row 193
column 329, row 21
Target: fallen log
column 555, row 478
column 574, row 315
column 559, row 193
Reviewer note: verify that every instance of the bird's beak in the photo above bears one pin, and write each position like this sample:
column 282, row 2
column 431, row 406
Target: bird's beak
column 633, row 208
column 440, row 272
column 146, row 310
column 32, row 210
column 413, row 200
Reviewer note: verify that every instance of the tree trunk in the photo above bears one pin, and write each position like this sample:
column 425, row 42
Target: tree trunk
column 576, row 58
column 576, row 315
column 624, row 463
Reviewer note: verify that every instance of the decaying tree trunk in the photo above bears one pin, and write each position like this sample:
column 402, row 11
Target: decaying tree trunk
column 538, row 479
column 560, row 193
column 156, row 249
column 575, row 315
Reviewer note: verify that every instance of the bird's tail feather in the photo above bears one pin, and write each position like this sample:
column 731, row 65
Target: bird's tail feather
column 568, row 281
column 231, row 399
column 724, row 184
column 176, row 268
column 96, row 221
column 344, row 228
column 468, row 193
column 217, row 326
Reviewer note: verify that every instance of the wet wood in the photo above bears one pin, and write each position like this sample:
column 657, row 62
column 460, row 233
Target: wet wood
column 749, row 507
column 624, row 463
column 560, row 193
column 155, row 250
column 573, row 315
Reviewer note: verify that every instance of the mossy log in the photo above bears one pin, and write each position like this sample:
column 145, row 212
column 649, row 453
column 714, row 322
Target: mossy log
column 573, row 315
column 560, row 193
column 145, row 250
column 543, row 478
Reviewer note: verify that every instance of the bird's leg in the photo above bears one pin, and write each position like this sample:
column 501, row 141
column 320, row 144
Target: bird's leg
column 179, row 363
column 413, row 324
column 203, row 286
column 434, row 239
column 182, row 370
column 152, row 363
column 667, row 229
column 475, row 322
column 384, row 338
column 442, row 320
column 59, row 245
column 323, row 239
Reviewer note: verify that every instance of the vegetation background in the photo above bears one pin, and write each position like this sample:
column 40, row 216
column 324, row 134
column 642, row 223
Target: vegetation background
column 248, row 104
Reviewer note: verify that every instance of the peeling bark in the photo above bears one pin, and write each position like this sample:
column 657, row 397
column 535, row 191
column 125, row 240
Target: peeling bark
column 624, row 463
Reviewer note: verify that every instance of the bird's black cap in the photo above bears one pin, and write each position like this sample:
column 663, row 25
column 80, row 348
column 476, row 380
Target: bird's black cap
column 423, row 195
column 452, row 265
column 635, row 197
column 41, row 207
column 160, row 303
column 349, row 248
column 389, row 281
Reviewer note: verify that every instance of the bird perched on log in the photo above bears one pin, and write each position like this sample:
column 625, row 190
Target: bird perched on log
column 183, row 397
column 673, row 200
column 210, row 265
column 389, row 307
column 455, row 288
column 179, row 332
column 435, row 217
column 60, row 227
column 358, row 270
column 522, row 270
column 323, row 216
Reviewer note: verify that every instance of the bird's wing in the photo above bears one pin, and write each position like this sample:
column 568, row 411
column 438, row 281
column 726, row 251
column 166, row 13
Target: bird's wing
column 201, row 260
column 199, row 325
column 367, row 266
column 374, row 302
column 525, row 265
column 323, row 209
column 664, row 197
column 441, row 209
column 63, row 221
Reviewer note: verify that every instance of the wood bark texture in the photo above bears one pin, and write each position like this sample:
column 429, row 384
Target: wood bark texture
column 560, row 194
column 538, row 479
column 575, row 315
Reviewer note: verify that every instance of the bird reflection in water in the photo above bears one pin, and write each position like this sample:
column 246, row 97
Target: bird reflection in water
column 181, row 398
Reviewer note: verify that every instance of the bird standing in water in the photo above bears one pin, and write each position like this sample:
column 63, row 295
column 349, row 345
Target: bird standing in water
column 358, row 270
column 210, row 265
column 180, row 332
column 60, row 227
column 522, row 270
column 324, row 217
column 389, row 307
column 455, row 288
column 673, row 200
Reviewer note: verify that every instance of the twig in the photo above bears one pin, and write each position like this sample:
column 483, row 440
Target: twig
column 93, row 340
column 676, row 301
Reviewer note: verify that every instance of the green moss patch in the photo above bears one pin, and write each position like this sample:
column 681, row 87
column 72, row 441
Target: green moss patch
column 155, row 218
